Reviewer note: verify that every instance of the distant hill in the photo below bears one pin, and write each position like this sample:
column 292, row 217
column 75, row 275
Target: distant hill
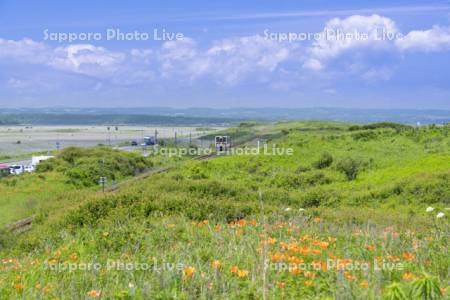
column 29, row 118
column 184, row 116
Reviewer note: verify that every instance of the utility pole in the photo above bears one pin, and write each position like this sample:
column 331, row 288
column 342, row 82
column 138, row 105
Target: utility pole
column 156, row 136
column 109, row 135
column 103, row 183
column 175, row 137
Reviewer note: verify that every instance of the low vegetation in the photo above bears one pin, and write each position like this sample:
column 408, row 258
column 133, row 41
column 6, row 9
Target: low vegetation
column 343, row 217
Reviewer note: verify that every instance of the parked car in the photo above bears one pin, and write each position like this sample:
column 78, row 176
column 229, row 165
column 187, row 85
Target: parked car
column 16, row 169
column 134, row 143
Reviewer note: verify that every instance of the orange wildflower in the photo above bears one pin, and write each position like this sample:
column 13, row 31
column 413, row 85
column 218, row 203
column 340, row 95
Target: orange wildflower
column 242, row 222
column 408, row 276
column 277, row 257
column 393, row 258
column 46, row 290
column 234, row 269
column 308, row 283
column 94, row 294
column 305, row 237
column 317, row 220
column 295, row 270
column 189, row 271
column 370, row 247
column 242, row 273
column 74, row 257
column 304, row 250
column 364, row 284
column 216, row 264
column 19, row 286
column 324, row 245
column 295, row 260
column 316, row 252
column 281, row 284
column 271, row 241
column 408, row 256
column 349, row 276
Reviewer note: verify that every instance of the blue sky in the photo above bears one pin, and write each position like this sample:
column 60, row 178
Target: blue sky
column 227, row 54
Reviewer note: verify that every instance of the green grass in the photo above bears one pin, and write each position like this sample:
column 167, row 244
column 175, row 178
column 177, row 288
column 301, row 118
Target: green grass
column 250, row 214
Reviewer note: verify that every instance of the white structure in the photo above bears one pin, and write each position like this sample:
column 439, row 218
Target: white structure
column 222, row 143
column 35, row 160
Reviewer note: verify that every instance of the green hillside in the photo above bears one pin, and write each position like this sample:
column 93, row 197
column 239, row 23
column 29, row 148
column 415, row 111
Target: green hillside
column 344, row 216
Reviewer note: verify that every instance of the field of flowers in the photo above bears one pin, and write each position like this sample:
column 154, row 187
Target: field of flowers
column 354, row 214
column 294, row 255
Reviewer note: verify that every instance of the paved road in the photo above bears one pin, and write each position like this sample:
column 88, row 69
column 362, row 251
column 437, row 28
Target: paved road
column 25, row 162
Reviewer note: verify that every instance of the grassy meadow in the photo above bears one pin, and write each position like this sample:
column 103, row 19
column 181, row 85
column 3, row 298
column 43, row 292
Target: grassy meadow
column 356, row 212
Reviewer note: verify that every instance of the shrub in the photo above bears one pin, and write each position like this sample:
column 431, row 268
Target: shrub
column 84, row 167
column 324, row 161
column 350, row 167
column 302, row 169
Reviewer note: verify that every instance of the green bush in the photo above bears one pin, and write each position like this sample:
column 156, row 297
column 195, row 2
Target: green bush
column 84, row 166
column 350, row 167
column 325, row 160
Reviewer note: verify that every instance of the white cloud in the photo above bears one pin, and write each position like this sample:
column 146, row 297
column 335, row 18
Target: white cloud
column 142, row 55
column 87, row 59
column 16, row 83
column 434, row 39
column 349, row 34
column 25, row 50
column 234, row 60
column 378, row 74
column 237, row 58
column 181, row 58
column 313, row 64
column 228, row 61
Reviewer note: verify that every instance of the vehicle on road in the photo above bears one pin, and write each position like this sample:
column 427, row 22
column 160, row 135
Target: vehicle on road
column 16, row 169
column 148, row 141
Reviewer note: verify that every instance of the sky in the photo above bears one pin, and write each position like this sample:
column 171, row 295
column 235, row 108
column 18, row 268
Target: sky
column 360, row 54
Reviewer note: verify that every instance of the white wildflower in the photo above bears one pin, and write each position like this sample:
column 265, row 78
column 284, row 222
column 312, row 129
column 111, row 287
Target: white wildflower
column 440, row 215
column 429, row 209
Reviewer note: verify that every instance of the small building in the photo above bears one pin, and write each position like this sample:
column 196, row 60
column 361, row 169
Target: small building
column 35, row 160
column 222, row 143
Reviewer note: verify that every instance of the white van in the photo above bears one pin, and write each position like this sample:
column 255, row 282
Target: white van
column 16, row 169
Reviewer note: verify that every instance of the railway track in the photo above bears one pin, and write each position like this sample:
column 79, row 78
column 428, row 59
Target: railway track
column 26, row 224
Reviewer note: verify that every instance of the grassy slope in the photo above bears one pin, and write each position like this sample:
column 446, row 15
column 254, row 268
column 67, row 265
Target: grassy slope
column 151, row 221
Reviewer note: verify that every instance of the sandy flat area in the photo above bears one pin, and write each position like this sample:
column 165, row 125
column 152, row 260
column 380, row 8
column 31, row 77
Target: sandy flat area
column 16, row 140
